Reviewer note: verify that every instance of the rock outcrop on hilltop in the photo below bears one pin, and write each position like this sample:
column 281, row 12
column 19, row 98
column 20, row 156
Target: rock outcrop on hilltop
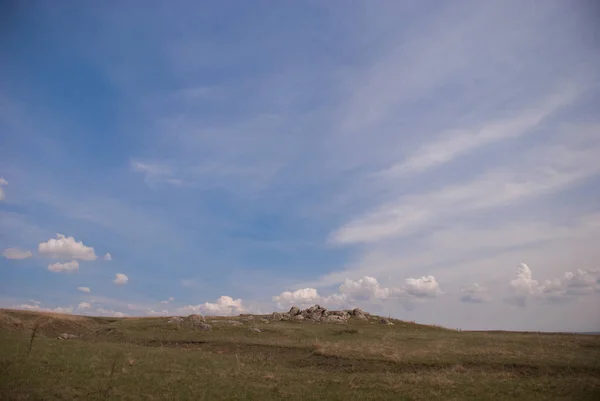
column 317, row 313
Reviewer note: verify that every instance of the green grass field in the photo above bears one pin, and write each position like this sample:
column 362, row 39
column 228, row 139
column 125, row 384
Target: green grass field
column 150, row 359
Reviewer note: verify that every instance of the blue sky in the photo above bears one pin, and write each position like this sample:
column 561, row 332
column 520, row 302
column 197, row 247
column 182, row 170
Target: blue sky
column 435, row 162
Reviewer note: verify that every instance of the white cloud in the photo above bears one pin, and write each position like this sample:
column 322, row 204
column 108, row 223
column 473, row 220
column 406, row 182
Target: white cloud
column 301, row 297
column 581, row 282
column 120, row 279
column 171, row 299
column 365, row 288
column 38, row 307
column 68, row 267
column 426, row 286
column 110, row 313
column 152, row 312
column 63, row 309
column 84, row 289
column 2, row 183
column 524, row 287
column 475, row 294
column 107, row 256
column 29, row 307
column 155, row 174
column 225, row 306
column 84, row 305
column 63, row 247
column 456, row 143
column 14, row 253
column 545, row 171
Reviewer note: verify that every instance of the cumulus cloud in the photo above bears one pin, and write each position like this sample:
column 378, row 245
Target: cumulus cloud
column 29, row 306
column 580, row 282
column 110, row 313
column 68, row 267
column 84, row 305
column 84, row 289
column 107, row 256
column 63, row 247
column 524, row 287
column 120, row 279
column 301, row 297
column 152, row 312
column 15, row 253
column 475, row 294
column 37, row 307
column 364, row 289
column 166, row 301
column 63, row 310
column 426, row 286
column 2, row 183
column 225, row 306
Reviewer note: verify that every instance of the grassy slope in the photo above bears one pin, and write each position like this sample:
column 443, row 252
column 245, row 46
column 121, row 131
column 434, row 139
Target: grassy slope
column 147, row 358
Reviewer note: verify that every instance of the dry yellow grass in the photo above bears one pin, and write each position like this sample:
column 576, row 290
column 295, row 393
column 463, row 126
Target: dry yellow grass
column 147, row 358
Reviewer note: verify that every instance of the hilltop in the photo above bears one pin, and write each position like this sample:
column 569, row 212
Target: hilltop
column 276, row 356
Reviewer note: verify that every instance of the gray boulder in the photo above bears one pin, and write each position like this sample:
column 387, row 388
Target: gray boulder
column 203, row 327
column 195, row 319
column 335, row 319
column 263, row 320
column 386, row 321
column 175, row 319
column 359, row 314
column 298, row 317
column 276, row 316
column 255, row 330
column 294, row 310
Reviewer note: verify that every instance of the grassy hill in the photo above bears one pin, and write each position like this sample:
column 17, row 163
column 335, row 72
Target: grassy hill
column 150, row 359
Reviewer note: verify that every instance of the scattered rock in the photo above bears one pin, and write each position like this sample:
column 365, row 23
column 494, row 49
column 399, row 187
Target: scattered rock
column 195, row 319
column 335, row 319
column 359, row 314
column 65, row 336
column 255, row 329
column 386, row 321
column 317, row 313
column 263, row 320
column 203, row 327
column 314, row 313
column 175, row 319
